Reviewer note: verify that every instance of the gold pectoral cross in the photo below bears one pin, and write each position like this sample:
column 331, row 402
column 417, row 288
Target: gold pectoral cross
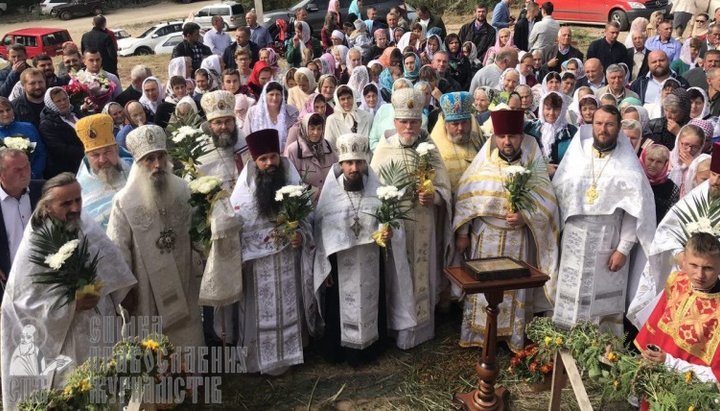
column 591, row 195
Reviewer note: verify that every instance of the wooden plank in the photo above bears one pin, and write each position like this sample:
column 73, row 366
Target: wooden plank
column 559, row 380
column 576, row 381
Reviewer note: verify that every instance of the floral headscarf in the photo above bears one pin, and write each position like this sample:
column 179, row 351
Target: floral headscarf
column 67, row 115
column 327, row 64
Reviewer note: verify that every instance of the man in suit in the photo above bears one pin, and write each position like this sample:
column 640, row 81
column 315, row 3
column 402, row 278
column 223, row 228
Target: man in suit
column 637, row 55
column 18, row 197
column 524, row 26
column 242, row 41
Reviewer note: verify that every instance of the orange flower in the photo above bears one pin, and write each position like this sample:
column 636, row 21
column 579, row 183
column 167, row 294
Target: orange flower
column 533, row 367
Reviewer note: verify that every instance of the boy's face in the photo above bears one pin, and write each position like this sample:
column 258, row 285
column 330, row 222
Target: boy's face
column 702, row 270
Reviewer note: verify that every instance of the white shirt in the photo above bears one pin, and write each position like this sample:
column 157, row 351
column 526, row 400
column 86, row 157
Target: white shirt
column 16, row 214
column 218, row 41
column 653, row 90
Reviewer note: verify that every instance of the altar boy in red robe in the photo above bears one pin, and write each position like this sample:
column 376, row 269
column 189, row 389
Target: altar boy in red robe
column 683, row 331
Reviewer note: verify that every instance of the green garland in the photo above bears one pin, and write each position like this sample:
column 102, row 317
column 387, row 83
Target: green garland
column 622, row 373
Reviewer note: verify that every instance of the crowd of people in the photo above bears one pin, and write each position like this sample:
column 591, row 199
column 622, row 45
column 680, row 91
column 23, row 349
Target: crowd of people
column 619, row 139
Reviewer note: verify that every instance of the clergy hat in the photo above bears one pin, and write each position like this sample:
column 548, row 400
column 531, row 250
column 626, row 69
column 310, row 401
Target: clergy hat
column 145, row 140
column 352, row 146
column 217, row 104
column 95, row 131
column 507, row 122
column 263, row 142
column 456, row 106
column 715, row 161
column 408, row 104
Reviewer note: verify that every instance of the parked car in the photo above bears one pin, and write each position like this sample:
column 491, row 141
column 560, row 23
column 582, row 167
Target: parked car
column 600, row 12
column 78, row 8
column 233, row 15
column 317, row 9
column 37, row 40
column 120, row 34
column 145, row 43
column 47, row 6
column 167, row 46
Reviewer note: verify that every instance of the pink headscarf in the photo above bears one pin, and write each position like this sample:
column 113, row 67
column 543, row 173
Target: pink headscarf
column 662, row 176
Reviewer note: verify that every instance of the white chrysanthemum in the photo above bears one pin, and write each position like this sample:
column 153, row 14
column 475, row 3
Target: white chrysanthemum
column 17, row 143
column 56, row 261
column 704, row 222
column 513, row 170
column 424, row 148
column 279, row 196
column 204, row 184
column 388, row 193
column 692, row 227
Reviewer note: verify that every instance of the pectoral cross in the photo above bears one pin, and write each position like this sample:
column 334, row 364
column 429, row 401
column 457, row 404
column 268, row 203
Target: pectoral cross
column 356, row 227
column 591, row 195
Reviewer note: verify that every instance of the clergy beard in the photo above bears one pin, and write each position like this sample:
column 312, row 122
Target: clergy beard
column 460, row 138
column 225, row 140
column 72, row 222
column 604, row 146
column 353, row 182
column 267, row 182
column 109, row 175
column 158, row 189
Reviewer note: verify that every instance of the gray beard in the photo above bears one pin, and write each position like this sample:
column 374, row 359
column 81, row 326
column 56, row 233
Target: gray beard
column 224, row 140
column 460, row 138
column 109, row 176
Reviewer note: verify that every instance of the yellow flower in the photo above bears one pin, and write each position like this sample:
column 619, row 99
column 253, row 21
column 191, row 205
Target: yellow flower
column 150, row 344
column 293, row 225
column 427, row 187
column 558, row 341
column 85, row 385
column 88, row 290
column 548, row 340
column 616, row 385
column 688, row 377
column 67, row 392
column 612, row 357
column 691, row 408
column 378, row 236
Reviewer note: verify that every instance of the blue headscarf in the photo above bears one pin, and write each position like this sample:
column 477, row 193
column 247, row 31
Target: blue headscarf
column 386, row 79
column 411, row 75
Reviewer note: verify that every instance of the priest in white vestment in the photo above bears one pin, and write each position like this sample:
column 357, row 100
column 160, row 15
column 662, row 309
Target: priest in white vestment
column 666, row 250
column 428, row 230
column 41, row 341
column 102, row 171
column 276, row 275
column 606, row 208
column 484, row 222
column 457, row 135
column 349, row 275
column 150, row 224
column 227, row 150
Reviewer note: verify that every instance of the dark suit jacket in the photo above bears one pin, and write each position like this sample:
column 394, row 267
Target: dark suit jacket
column 229, row 54
column 5, row 263
column 631, row 62
column 522, row 34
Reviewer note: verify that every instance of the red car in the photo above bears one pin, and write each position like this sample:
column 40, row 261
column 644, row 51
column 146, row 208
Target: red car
column 37, row 40
column 602, row 11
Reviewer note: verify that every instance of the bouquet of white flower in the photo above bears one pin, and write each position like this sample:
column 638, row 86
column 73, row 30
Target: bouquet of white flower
column 425, row 170
column 703, row 216
column 65, row 255
column 188, row 144
column 520, row 182
column 204, row 193
column 18, row 143
column 389, row 213
column 296, row 205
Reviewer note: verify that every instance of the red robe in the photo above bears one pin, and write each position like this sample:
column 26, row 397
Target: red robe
column 685, row 324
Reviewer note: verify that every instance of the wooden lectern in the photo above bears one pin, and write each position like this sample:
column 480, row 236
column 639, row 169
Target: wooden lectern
column 486, row 397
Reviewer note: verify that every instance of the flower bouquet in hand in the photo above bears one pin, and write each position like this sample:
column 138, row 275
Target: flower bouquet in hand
column 188, row 144
column 389, row 213
column 519, row 182
column 204, row 193
column 425, row 170
column 90, row 92
column 70, row 267
column 18, row 143
column 295, row 205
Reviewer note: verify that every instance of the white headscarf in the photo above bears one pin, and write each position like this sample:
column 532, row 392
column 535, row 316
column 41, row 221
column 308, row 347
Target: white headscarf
column 678, row 171
column 343, row 50
column 146, row 102
column 304, row 35
column 378, row 104
column 262, row 118
column 348, row 117
column 706, row 106
column 350, row 67
column 359, row 78
column 502, row 77
column 550, row 130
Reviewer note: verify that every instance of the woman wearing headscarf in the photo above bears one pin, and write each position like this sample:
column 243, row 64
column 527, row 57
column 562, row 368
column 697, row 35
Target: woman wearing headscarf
column 698, row 172
column 330, row 25
column 503, row 39
column 305, row 85
column 346, row 117
column 242, row 105
column 655, row 160
column 115, row 110
column 57, row 130
column 371, row 100
column 352, row 59
column 528, row 102
column 340, row 53
column 385, row 117
column 575, row 66
column 688, row 145
column 262, row 73
column 637, row 112
column 179, row 66
column 360, row 37
column 271, row 111
column 411, row 67
column 509, row 80
column 312, row 155
column 588, row 104
column 327, row 64
column 358, row 80
column 270, row 58
column 458, row 64
column 471, row 52
column 551, row 129
column 214, row 66
column 315, row 104
column 185, row 114
column 326, row 86
column 302, row 40
column 355, row 9
column 153, row 95
column 334, row 6
column 385, row 57
column 433, row 44
column 699, row 107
